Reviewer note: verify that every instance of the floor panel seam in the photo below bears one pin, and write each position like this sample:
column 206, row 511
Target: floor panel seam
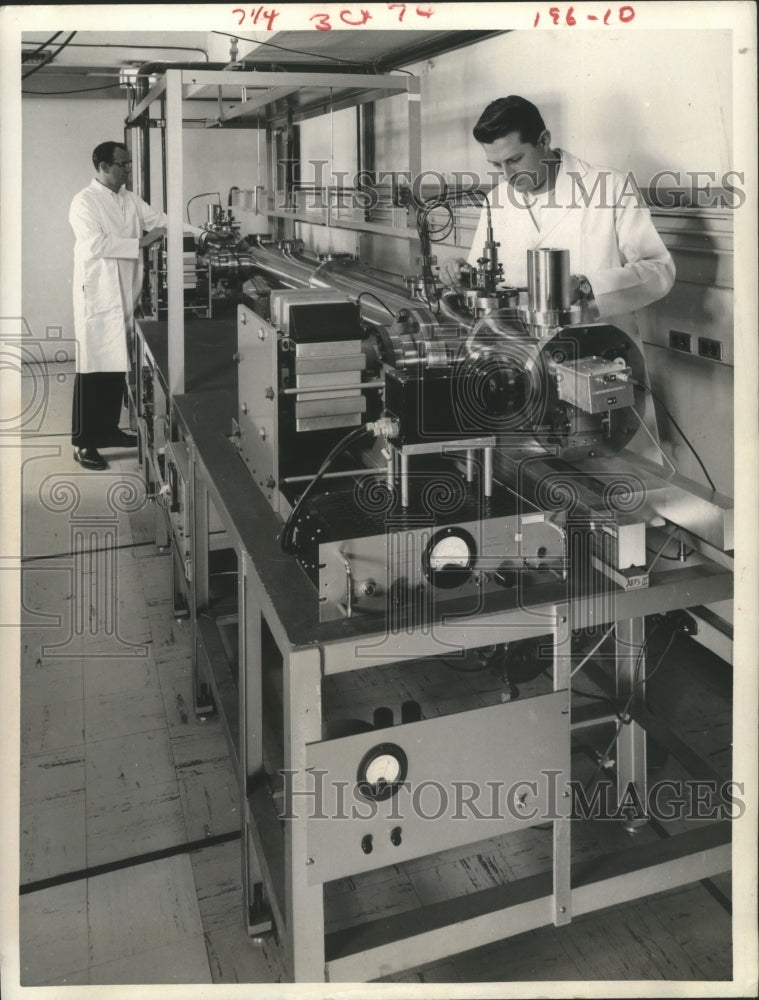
column 188, row 847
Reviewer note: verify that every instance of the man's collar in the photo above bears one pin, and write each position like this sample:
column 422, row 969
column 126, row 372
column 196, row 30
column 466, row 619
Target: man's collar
column 100, row 185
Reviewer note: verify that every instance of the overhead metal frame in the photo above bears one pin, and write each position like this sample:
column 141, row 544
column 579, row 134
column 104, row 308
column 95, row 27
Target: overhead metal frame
column 334, row 91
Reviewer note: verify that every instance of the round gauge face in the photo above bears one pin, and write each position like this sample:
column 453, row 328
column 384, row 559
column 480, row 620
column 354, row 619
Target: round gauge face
column 449, row 558
column 384, row 768
column 451, row 550
column 381, row 771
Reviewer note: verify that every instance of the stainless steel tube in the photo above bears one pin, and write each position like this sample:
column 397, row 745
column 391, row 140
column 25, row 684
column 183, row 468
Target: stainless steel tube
column 548, row 280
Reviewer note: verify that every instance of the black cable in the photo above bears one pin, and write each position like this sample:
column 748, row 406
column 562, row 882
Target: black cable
column 623, row 716
column 203, row 194
column 377, row 299
column 125, row 45
column 26, row 56
column 297, row 52
column 425, row 240
column 672, row 558
column 659, row 662
column 48, row 58
column 595, row 697
column 478, row 668
column 285, row 539
column 55, row 93
column 679, row 430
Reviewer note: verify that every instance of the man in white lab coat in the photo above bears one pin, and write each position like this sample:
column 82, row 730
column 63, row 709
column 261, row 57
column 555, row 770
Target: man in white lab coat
column 550, row 198
column 111, row 226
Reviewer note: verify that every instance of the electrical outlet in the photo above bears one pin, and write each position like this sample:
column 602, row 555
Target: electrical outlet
column 679, row 341
column 710, row 348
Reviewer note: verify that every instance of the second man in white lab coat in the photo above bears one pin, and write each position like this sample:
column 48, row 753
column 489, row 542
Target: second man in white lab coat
column 111, row 226
column 550, row 198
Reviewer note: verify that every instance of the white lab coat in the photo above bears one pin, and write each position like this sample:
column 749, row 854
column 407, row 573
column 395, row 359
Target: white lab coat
column 107, row 272
column 611, row 240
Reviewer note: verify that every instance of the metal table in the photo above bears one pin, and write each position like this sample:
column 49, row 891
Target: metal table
column 286, row 864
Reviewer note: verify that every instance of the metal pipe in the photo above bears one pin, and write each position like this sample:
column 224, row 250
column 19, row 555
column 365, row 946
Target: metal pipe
column 469, row 465
column 487, row 476
column 404, row 480
column 391, row 469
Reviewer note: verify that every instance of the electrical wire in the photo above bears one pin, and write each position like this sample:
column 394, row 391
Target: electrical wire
column 109, row 45
column 376, row 299
column 587, row 656
column 476, row 669
column 26, row 56
column 286, row 537
column 429, row 234
column 203, row 194
column 596, row 697
column 661, row 548
column 679, row 429
column 623, row 716
column 297, row 52
column 686, row 555
column 49, row 57
column 62, row 93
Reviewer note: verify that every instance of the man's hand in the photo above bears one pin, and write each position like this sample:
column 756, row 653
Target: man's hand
column 580, row 290
column 152, row 236
column 450, row 272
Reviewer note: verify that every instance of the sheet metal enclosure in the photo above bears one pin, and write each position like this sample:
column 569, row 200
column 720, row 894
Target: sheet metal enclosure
column 520, row 781
column 374, row 573
column 299, row 388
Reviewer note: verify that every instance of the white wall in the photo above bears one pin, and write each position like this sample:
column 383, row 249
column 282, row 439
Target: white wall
column 58, row 138
column 641, row 100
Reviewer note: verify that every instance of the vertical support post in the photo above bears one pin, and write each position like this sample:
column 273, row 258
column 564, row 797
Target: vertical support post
column 414, row 159
column 255, row 907
column 365, row 145
column 198, row 563
column 404, row 480
column 487, row 472
column 562, row 843
column 302, row 698
column 175, row 212
column 469, row 465
column 291, row 171
column 390, row 467
column 632, row 787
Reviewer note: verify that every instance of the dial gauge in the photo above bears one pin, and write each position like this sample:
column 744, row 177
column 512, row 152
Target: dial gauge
column 449, row 558
column 381, row 771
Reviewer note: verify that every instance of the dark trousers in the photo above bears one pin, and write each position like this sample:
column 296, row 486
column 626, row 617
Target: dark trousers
column 96, row 408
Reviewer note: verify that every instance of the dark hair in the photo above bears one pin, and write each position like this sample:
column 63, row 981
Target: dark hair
column 509, row 114
column 104, row 152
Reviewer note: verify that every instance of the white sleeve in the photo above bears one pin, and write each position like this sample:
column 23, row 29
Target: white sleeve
column 648, row 271
column 93, row 236
column 150, row 217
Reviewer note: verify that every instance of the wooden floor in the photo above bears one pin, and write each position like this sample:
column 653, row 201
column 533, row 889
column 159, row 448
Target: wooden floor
column 130, row 852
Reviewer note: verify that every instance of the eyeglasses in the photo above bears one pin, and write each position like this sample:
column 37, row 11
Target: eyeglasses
column 122, row 163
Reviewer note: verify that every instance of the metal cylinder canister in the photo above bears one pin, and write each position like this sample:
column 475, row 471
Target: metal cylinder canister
column 549, row 289
column 548, row 279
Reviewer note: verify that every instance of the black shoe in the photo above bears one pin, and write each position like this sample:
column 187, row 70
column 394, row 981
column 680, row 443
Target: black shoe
column 120, row 439
column 90, row 458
